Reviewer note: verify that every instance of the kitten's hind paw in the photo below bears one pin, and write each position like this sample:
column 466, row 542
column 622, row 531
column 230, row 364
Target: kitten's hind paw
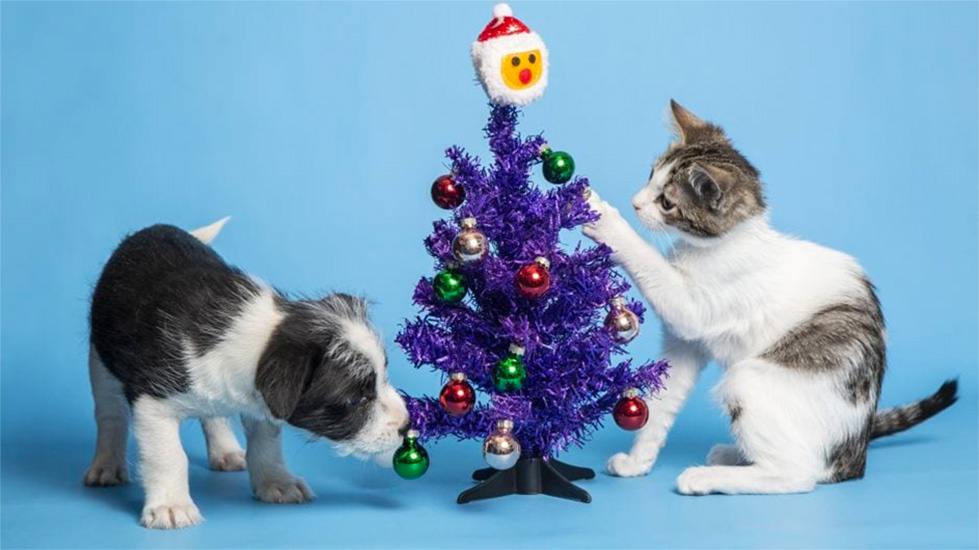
column 625, row 465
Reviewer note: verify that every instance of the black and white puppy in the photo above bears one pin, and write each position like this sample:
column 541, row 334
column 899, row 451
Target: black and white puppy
column 178, row 333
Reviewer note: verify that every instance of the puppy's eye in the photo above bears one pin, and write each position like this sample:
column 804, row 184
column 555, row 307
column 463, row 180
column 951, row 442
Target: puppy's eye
column 666, row 203
column 515, row 61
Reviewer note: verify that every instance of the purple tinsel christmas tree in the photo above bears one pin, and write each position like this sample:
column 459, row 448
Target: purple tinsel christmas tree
column 510, row 311
column 571, row 381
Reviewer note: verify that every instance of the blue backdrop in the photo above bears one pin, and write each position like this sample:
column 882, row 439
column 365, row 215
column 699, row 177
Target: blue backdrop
column 319, row 128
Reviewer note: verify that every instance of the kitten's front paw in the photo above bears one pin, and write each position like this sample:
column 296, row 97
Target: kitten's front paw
column 175, row 515
column 284, row 490
column 606, row 228
column 624, row 465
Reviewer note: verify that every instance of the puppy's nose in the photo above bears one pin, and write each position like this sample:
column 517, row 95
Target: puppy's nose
column 403, row 430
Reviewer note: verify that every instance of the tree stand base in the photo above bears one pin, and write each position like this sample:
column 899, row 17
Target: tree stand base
column 531, row 476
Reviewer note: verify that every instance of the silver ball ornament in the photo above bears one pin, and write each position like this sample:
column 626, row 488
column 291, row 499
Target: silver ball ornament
column 470, row 245
column 500, row 449
column 621, row 322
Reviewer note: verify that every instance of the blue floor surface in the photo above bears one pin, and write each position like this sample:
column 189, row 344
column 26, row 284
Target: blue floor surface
column 920, row 492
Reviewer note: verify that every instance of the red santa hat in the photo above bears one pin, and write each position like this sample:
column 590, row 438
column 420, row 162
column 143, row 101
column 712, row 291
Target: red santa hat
column 503, row 36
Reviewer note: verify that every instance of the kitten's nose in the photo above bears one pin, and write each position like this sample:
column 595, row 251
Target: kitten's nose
column 636, row 204
column 403, row 430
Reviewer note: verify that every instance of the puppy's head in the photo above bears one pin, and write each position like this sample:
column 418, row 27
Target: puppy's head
column 325, row 370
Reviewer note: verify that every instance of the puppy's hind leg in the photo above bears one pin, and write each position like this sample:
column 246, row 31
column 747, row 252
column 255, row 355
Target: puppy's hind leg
column 271, row 479
column 224, row 454
column 112, row 419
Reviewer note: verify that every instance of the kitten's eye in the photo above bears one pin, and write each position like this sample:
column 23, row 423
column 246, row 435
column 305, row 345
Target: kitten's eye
column 515, row 61
column 666, row 203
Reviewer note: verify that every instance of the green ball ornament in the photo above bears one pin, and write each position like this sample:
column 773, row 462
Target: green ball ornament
column 449, row 286
column 510, row 373
column 411, row 459
column 558, row 166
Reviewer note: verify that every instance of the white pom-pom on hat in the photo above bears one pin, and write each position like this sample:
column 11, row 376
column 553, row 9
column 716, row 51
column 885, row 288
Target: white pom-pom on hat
column 502, row 10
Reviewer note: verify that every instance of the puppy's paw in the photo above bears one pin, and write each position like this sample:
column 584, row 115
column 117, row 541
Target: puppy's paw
column 624, row 465
column 283, row 490
column 725, row 455
column 107, row 473
column 228, row 461
column 176, row 515
column 699, row 480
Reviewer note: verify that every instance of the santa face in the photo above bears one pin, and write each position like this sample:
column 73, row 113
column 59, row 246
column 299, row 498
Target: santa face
column 521, row 70
column 512, row 69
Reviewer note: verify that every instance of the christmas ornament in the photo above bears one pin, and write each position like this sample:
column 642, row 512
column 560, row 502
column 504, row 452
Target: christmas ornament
column 510, row 60
column 510, row 372
column 470, row 245
column 447, row 193
column 449, row 286
column 534, row 279
column 631, row 412
column 457, row 396
column 558, row 165
column 621, row 322
column 500, row 449
column 411, row 459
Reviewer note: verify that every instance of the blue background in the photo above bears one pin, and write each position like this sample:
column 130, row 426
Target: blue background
column 319, row 127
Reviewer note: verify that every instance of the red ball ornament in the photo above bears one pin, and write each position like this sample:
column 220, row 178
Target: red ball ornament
column 631, row 412
column 533, row 280
column 457, row 396
column 447, row 193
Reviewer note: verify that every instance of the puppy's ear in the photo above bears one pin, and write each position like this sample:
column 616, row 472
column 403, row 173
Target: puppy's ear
column 284, row 372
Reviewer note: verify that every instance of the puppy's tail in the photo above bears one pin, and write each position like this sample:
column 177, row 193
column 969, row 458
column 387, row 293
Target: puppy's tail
column 208, row 233
column 901, row 418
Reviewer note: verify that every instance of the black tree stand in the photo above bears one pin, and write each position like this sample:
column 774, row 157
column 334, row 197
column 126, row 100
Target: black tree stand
column 531, row 476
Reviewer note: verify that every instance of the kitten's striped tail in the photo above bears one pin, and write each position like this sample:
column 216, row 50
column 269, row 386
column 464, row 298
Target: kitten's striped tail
column 901, row 418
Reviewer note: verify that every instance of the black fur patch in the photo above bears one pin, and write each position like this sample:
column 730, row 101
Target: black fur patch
column 160, row 287
column 310, row 375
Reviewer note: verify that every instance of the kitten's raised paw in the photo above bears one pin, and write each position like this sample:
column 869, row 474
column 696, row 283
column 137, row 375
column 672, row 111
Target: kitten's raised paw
column 106, row 474
column 230, row 461
column 175, row 515
column 725, row 455
column 290, row 490
column 624, row 465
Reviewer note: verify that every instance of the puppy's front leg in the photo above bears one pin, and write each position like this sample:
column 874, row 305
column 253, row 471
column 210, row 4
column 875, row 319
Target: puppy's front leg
column 163, row 466
column 271, row 480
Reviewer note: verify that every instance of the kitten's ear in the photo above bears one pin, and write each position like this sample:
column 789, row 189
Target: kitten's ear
column 685, row 123
column 691, row 128
column 709, row 183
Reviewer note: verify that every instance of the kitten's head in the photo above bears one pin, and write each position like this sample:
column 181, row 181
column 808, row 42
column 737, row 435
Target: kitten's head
column 701, row 187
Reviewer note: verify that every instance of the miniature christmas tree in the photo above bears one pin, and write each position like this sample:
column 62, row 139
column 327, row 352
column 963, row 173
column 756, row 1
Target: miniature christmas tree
column 509, row 315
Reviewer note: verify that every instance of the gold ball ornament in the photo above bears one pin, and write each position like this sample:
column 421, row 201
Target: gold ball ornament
column 500, row 449
column 470, row 245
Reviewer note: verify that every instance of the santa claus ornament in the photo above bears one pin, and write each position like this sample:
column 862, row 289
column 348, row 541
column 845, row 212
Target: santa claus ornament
column 510, row 60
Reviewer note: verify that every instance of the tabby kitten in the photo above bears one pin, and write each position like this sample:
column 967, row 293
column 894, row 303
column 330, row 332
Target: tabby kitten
column 796, row 327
